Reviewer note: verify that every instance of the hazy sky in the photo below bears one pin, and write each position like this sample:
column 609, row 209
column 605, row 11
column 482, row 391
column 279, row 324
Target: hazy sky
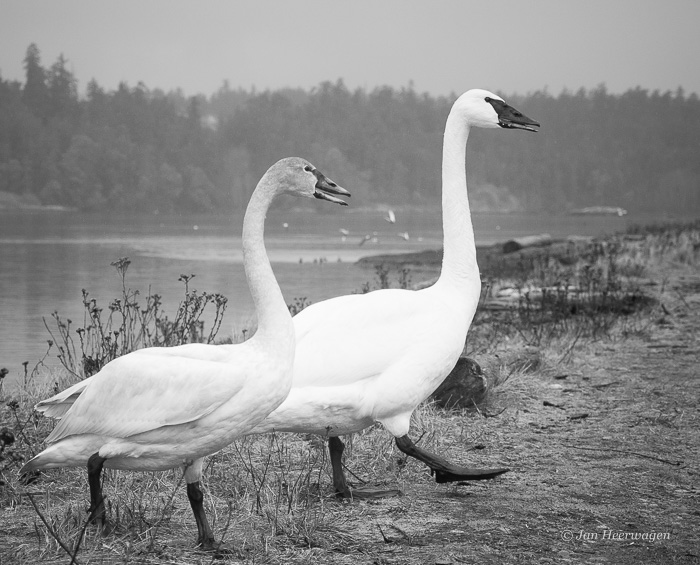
column 443, row 46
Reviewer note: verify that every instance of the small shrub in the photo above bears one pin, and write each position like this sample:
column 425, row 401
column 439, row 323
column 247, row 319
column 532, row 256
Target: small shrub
column 382, row 279
column 129, row 325
column 298, row 304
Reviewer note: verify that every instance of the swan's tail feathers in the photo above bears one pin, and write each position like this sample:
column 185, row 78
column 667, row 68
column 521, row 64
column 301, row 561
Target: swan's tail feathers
column 29, row 468
column 444, row 471
column 44, row 460
column 72, row 452
column 56, row 409
column 59, row 404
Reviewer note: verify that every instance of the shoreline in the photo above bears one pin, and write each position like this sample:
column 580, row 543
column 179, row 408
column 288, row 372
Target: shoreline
column 490, row 258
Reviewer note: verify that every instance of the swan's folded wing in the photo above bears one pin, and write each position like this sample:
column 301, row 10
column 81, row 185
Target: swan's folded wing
column 350, row 338
column 59, row 404
column 134, row 394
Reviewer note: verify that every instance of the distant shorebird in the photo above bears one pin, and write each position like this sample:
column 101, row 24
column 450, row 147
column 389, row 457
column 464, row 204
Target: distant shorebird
column 404, row 235
column 371, row 238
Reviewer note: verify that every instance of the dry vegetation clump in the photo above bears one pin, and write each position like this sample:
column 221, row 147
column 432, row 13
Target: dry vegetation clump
column 593, row 408
column 131, row 325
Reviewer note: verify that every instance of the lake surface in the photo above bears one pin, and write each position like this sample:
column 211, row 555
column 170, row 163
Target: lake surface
column 48, row 257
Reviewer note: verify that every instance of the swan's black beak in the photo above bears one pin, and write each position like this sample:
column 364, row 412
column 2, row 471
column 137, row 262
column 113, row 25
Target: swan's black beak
column 325, row 187
column 510, row 118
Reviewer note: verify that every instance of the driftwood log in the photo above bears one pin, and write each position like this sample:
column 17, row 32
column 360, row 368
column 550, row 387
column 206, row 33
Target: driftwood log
column 464, row 387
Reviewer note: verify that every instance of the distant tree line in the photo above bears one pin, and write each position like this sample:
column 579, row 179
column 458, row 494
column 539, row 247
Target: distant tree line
column 147, row 150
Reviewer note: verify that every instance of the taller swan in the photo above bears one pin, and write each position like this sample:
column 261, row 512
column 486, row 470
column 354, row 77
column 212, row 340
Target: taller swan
column 159, row 408
column 375, row 357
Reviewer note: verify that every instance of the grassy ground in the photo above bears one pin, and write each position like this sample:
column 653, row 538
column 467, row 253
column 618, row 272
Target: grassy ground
column 599, row 423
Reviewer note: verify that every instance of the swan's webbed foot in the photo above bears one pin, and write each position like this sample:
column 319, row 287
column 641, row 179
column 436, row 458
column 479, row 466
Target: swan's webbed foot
column 97, row 514
column 455, row 473
column 444, row 471
column 218, row 550
column 368, row 493
column 342, row 489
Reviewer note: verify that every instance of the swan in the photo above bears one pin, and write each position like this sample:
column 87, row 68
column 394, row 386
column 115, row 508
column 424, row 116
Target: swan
column 374, row 357
column 164, row 407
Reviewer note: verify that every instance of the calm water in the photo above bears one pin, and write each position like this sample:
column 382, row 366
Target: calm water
column 48, row 257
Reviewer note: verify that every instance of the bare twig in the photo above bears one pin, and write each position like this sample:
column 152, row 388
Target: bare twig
column 353, row 474
column 168, row 502
column 679, row 462
column 54, row 534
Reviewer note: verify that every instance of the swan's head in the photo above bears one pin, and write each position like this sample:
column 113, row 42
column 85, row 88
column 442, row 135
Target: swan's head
column 485, row 109
column 298, row 177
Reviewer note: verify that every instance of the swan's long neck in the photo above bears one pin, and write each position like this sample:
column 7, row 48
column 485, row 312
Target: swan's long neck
column 459, row 257
column 274, row 320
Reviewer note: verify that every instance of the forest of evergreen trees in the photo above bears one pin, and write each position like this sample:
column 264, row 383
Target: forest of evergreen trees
column 146, row 150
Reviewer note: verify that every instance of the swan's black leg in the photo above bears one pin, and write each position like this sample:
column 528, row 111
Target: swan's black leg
column 97, row 501
column 445, row 472
column 342, row 490
column 205, row 537
column 336, row 448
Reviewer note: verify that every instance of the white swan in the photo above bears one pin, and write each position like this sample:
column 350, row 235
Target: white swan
column 375, row 357
column 159, row 408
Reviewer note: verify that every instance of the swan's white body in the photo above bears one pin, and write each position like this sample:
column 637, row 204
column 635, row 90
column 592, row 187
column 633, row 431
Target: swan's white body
column 159, row 408
column 390, row 349
column 375, row 357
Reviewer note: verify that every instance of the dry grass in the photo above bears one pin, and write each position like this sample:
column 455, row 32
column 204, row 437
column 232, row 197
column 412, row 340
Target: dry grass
column 270, row 496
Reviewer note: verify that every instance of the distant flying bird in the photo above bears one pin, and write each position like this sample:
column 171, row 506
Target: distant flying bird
column 404, row 235
column 390, row 217
column 164, row 407
column 285, row 225
column 374, row 357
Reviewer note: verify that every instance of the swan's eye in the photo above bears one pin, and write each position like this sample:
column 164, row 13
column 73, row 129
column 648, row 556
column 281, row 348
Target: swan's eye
column 309, row 169
column 488, row 99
